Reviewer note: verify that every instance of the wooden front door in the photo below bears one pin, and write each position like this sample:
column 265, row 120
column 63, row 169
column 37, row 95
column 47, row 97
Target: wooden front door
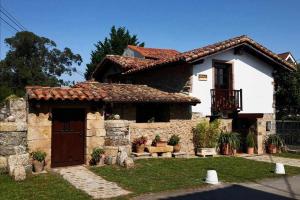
column 68, row 133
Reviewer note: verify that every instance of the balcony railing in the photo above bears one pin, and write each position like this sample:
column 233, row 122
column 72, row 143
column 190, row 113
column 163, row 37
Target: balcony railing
column 226, row 100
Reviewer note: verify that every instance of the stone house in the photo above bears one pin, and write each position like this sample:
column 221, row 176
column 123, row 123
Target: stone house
column 155, row 91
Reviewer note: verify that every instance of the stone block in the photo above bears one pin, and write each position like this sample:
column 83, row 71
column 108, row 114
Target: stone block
column 93, row 142
column 9, row 140
column 111, row 150
column 110, row 160
column 95, row 124
column 96, row 132
column 40, row 119
column 179, row 155
column 12, row 126
column 39, row 132
column 3, row 162
column 19, row 173
column 121, row 157
column 94, row 115
column 164, row 149
column 129, row 163
column 17, row 160
column 166, row 155
column 154, row 155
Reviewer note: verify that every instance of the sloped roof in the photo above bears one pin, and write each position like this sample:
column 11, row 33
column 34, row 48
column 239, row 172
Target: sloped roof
column 284, row 55
column 132, row 65
column 154, row 53
column 107, row 92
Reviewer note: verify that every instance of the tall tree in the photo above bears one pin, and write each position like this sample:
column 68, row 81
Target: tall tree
column 115, row 44
column 34, row 60
column 288, row 94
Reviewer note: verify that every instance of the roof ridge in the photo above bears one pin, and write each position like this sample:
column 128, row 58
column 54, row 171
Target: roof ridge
column 153, row 48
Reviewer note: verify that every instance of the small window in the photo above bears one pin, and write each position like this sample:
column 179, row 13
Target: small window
column 152, row 113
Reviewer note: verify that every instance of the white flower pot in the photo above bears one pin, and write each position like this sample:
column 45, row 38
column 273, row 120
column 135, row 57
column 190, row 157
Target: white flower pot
column 279, row 168
column 211, row 177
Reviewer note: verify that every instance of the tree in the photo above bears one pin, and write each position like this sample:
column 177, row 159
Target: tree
column 34, row 60
column 114, row 44
column 288, row 94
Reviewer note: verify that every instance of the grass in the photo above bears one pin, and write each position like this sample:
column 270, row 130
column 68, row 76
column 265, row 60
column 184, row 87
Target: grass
column 157, row 175
column 288, row 155
column 44, row 186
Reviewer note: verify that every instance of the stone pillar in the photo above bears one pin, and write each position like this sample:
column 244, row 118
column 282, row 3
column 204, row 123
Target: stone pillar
column 95, row 132
column 117, row 135
column 262, row 132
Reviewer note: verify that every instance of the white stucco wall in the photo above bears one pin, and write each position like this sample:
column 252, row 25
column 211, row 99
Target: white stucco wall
column 250, row 74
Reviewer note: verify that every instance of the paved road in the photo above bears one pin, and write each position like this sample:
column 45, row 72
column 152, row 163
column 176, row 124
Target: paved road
column 284, row 188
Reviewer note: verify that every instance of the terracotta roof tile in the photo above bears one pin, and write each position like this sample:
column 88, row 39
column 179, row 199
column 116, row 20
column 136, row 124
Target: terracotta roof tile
column 95, row 91
column 136, row 64
column 154, row 53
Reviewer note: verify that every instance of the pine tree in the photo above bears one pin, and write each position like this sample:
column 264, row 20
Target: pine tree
column 115, row 44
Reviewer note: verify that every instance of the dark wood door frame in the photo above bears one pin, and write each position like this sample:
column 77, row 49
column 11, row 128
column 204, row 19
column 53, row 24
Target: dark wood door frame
column 75, row 128
column 230, row 73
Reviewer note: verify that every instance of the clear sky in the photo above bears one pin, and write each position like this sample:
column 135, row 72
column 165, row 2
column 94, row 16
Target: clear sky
column 178, row 24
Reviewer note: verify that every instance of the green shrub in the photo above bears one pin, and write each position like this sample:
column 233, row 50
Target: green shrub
column 156, row 139
column 174, row 140
column 231, row 138
column 97, row 152
column 205, row 134
column 38, row 155
column 250, row 142
column 274, row 139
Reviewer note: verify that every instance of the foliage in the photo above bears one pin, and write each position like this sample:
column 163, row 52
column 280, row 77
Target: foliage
column 287, row 94
column 34, row 60
column 231, row 138
column 274, row 139
column 115, row 44
column 250, row 142
column 156, row 175
column 38, row 155
column 205, row 134
column 140, row 141
column 155, row 140
column 97, row 152
column 174, row 140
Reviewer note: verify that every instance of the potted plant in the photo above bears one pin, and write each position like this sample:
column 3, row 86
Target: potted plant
column 250, row 142
column 174, row 141
column 98, row 157
column 274, row 142
column 235, row 142
column 205, row 137
column 139, row 144
column 158, row 142
column 38, row 160
column 229, row 142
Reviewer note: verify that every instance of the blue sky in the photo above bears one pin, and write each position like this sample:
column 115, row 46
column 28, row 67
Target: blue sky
column 178, row 24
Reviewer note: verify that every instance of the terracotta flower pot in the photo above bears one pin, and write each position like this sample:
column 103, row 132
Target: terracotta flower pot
column 250, row 150
column 234, row 151
column 38, row 166
column 225, row 149
column 272, row 148
column 140, row 148
column 177, row 148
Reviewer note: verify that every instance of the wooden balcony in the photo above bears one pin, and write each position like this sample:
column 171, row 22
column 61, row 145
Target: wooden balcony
column 226, row 100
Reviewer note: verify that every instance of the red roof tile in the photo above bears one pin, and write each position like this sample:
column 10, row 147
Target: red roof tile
column 95, row 91
column 132, row 65
column 154, row 53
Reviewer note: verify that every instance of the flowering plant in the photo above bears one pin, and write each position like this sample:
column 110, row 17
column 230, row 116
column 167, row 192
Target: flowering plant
column 140, row 141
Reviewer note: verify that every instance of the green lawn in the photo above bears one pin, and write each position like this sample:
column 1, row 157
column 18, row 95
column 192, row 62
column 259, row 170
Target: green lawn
column 157, row 175
column 288, row 155
column 40, row 187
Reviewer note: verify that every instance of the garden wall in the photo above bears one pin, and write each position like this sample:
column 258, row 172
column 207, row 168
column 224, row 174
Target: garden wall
column 13, row 129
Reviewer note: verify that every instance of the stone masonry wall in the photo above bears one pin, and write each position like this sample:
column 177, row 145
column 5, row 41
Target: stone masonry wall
column 183, row 128
column 40, row 131
column 13, row 129
column 262, row 133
